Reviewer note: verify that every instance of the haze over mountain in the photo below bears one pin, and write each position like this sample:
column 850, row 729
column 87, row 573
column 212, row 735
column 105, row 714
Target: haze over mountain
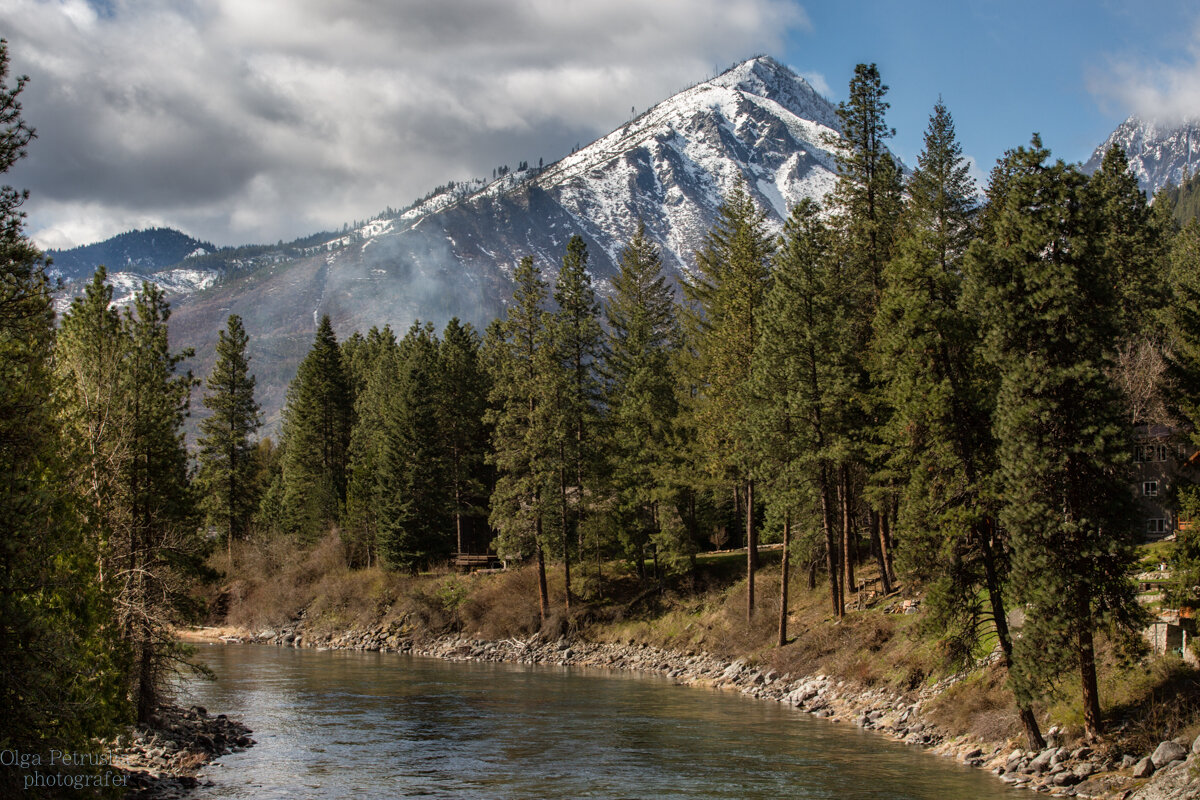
column 452, row 253
column 1159, row 154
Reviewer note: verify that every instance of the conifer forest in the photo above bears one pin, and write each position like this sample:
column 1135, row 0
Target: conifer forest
column 927, row 379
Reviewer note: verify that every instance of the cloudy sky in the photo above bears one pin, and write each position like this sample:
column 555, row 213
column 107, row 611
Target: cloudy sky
column 255, row 120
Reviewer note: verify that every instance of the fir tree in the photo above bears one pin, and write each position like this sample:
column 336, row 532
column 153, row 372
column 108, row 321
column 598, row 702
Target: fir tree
column 226, row 472
column 374, row 363
column 1047, row 295
column 316, row 432
column 415, row 528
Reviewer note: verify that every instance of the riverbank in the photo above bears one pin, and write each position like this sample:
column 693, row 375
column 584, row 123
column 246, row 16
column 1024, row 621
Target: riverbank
column 163, row 760
column 1062, row 769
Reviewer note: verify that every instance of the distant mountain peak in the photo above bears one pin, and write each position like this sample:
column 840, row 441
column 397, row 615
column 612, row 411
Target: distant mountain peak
column 1159, row 153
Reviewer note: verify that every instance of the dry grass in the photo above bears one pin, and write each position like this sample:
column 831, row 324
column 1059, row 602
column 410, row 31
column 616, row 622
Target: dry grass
column 980, row 705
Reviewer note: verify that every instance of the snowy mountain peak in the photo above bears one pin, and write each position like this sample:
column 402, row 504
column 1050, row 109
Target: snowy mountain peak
column 1159, row 154
column 765, row 77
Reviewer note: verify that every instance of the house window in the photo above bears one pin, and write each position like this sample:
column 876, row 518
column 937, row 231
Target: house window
column 1156, row 525
column 1149, row 488
column 1150, row 452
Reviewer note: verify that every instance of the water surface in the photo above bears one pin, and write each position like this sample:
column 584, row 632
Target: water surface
column 334, row 724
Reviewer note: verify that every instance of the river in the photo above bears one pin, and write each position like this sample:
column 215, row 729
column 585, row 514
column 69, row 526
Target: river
column 337, row 724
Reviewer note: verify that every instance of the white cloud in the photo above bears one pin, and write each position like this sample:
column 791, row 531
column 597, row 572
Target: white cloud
column 1165, row 92
column 253, row 121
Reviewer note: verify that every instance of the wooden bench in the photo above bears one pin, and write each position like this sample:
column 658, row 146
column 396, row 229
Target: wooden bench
column 471, row 562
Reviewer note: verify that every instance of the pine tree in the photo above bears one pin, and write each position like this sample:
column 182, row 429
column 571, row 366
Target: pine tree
column 57, row 686
column 519, row 452
column 733, row 276
column 928, row 355
column 1132, row 240
column 575, row 343
column 163, row 547
column 643, row 336
column 805, row 374
column 316, row 433
column 463, row 391
column 866, row 205
column 1047, row 295
column 226, row 470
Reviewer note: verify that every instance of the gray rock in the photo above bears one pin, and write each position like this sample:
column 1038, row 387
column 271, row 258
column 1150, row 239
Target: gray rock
column 1042, row 762
column 1167, row 752
column 1143, row 768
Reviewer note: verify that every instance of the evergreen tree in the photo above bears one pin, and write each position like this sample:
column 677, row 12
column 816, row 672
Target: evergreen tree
column 163, row 546
column 1132, row 241
column 519, row 452
column 804, row 378
column 576, row 345
column 57, row 687
column 463, row 389
column 226, row 475
column 866, row 205
column 1047, row 295
column 374, row 364
column 733, row 275
column 316, row 434
column 643, row 336
column 1181, row 324
column 415, row 527
column 928, row 354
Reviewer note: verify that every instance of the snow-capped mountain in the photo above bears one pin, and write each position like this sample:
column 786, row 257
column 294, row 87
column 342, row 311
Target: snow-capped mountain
column 1158, row 154
column 452, row 254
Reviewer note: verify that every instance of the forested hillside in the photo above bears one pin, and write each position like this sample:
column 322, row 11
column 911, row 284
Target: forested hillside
column 909, row 379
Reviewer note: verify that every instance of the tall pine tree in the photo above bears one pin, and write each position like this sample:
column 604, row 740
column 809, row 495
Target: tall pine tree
column 732, row 277
column 1048, row 299
column 226, row 475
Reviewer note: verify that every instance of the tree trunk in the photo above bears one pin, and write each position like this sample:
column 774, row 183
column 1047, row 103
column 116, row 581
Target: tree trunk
column 784, row 571
column 885, row 540
column 1093, row 726
column 543, row 592
column 877, row 546
column 751, row 550
column 812, row 575
column 831, row 548
column 847, row 533
column 1033, row 734
column 566, row 537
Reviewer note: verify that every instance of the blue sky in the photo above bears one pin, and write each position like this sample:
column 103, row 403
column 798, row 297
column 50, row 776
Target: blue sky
column 255, row 120
column 1004, row 69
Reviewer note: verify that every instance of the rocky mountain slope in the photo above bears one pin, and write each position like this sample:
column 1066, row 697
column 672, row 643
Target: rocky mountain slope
column 453, row 253
column 1159, row 154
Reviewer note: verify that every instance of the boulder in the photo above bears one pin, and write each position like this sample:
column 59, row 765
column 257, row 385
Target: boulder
column 1167, row 752
column 1143, row 768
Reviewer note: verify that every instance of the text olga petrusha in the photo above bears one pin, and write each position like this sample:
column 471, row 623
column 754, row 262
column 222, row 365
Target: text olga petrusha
column 55, row 758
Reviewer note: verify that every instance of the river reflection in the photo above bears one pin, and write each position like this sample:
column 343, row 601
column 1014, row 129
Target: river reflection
column 366, row 725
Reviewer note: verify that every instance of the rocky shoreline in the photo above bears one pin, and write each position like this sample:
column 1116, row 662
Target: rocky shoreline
column 162, row 761
column 1171, row 772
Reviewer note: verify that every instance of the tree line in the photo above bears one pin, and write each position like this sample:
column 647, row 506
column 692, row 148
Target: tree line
column 910, row 373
